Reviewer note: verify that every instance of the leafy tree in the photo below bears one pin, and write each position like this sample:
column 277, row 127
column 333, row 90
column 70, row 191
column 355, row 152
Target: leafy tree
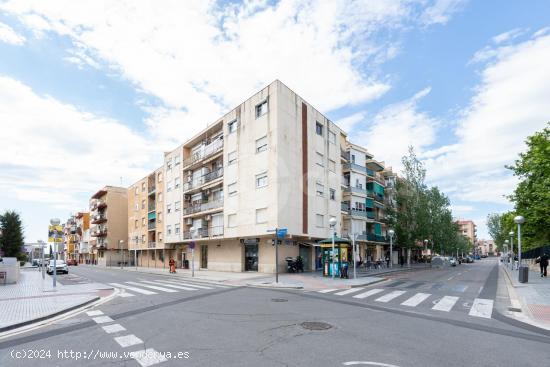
column 12, row 240
column 532, row 195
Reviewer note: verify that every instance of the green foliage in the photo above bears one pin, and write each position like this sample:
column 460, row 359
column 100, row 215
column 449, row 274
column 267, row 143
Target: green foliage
column 11, row 239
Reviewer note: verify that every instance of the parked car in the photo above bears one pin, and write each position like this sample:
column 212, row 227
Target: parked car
column 469, row 259
column 72, row 262
column 60, row 265
column 453, row 261
column 35, row 262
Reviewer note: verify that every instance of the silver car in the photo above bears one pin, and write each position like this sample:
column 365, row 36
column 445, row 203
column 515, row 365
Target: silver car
column 60, row 265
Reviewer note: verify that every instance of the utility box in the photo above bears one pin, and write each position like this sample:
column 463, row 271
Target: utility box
column 523, row 274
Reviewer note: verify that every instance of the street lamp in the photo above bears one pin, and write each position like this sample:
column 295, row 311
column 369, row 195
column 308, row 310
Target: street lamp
column 519, row 220
column 120, row 242
column 511, row 234
column 42, row 245
column 192, row 230
column 332, row 224
column 391, row 233
column 506, row 242
column 54, row 222
column 136, row 238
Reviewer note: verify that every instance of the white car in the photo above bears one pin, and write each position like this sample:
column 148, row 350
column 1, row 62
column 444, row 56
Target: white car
column 452, row 261
column 61, row 266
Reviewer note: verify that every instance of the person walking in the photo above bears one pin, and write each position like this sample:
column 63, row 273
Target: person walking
column 387, row 261
column 543, row 262
column 172, row 265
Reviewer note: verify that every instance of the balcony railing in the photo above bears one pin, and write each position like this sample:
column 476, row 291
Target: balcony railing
column 203, row 179
column 344, row 206
column 152, row 189
column 151, row 245
column 151, row 225
column 358, row 168
column 344, row 154
column 205, row 152
column 100, row 232
column 203, row 207
column 210, row 232
column 372, row 237
column 96, row 219
column 359, row 190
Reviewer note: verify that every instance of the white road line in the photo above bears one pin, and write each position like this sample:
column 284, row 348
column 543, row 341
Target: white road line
column 328, row 290
column 349, row 291
column 416, row 299
column 170, row 285
column 128, row 340
column 134, row 289
column 167, row 290
column 147, row 357
column 368, row 293
column 445, row 304
column 451, row 277
column 188, row 284
column 94, row 313
column 482, row 308
column 125, row 294
column 388, row 297
column 480, row 289
column 102, row 319
column 113, row 328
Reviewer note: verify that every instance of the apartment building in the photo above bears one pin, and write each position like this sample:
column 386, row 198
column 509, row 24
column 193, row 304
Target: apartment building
column 145, row 222
column 109, row 226
column 82, row 220
column 468, row 228
column 69, row 240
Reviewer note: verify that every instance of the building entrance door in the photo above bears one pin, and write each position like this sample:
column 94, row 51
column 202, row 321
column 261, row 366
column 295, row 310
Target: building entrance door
column 251, row 257
column 204, row 256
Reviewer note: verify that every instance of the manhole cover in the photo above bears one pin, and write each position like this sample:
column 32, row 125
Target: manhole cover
column 314, row 325
column 279, row 300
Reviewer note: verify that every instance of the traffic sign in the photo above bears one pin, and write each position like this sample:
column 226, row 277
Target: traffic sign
column 281, row 232
column 192, row 245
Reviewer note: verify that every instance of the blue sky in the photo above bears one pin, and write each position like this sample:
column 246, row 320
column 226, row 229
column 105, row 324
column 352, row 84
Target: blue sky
column 119, row 83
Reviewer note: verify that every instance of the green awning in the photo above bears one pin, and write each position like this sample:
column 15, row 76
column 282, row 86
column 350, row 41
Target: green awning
column 336, row 240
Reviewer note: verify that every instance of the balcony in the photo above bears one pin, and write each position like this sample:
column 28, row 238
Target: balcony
column 152, row 189
column 151, row 226
column 371, row 237
column 359, row 190
column 344, row 154
column 99, row 232
column 380, row 180
column 357, row 168
column 210, row 232
column 151, row 245
column 202, row 207
column 204, row 152
column 344, row 206
column 98, row 219
column 211, row 176
column 374, row 165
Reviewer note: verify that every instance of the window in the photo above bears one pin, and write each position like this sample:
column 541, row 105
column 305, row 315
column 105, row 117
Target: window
column 261, row 109
column 177, row 229
column 136, row 190
column 159, row 217
column 318, row 128
column 142, row 238
column 159, row 196
column 143, row 221
column 136, row 207
column 176, row 160
column 177, row 183
column 331, row 137
column 331, row 165
column 232, row 189
column 261, row 144
column 319, row 220
column 353, row 158
column 169, row 164
column 232, row 220
column 232, row 126
column 232, row 158
column 177, row 206
column 169, row 229
column 168, row 208
column 332, row 194
column 143, row 204
column 261, row 180
column 169, row 186
column 142, row 186
column 159, row 177
column 320, row 159
column 261, row 215
column 136, row 223
column 160, row 236
column 320, row 189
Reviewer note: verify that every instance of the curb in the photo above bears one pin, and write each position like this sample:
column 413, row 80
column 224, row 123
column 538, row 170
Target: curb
column 266, row 286
column 369, row 283
column 49, row 316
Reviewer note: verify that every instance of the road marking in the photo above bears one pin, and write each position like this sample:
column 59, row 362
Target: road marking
column 348, row 291
column 138, row 290
column 328, row 290
column 170, row 285
column 128, row 340
column 102, row 319
column 388, row 297
column 416, row 299
column 188, row 284
column 94, row 313
column 480, row 289
column 113, row 328
column 147, row 357
column 167, row 290
column 460, row 288
column 482, row 308
column 451, row 277
column 368, row 293
column 351, row 363
column 125, row 294
column 445, row 304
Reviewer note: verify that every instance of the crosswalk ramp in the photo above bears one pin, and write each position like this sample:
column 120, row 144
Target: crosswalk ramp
column 158, row 286
column 480, row 307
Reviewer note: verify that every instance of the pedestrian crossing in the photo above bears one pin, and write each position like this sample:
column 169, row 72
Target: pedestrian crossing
column 159, row 286
column 479, row 307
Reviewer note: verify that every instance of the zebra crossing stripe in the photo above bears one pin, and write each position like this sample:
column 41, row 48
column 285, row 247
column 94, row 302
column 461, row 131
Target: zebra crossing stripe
column 328, row 290
column 482, row 308
column 170, row 285
column 168, row 290
column 187, row 284
column 349, row 291
column 125, row 294
column 134, row 289
column 388, row 297
column 416, row 299
column 368, row 293
column 445, row 304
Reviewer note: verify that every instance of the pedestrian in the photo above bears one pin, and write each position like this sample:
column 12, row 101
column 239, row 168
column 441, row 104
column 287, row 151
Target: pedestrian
column 387, row 261
column 401, row 260
column 172, row 265
column 344, row 273
column 543, row 262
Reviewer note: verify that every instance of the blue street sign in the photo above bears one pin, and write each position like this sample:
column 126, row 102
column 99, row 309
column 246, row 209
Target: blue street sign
column 281, row 232
column 191, row 245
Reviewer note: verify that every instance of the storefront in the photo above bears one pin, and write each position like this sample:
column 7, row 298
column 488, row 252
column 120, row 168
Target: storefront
column 333, row 262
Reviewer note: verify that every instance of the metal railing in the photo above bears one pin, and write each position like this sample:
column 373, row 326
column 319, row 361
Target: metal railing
column 205, row 152
column 151, row 225
column 201, row 207
column 359, row 190
column 358, row 168
column 344, row 154
column 209, row 232
column 203, row 179
column 151, row 245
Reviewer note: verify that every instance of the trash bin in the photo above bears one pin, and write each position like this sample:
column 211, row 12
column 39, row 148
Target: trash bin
column 523, row 274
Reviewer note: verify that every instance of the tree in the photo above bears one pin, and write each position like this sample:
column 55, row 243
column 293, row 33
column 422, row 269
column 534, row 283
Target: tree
column 12, row 240
column 532, row 195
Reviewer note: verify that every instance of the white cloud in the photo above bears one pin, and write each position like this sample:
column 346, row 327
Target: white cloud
column 461, row 208
column 347, row 123
column 441, row 11
column 509, row 35
column 510, row 104
column 8, row 35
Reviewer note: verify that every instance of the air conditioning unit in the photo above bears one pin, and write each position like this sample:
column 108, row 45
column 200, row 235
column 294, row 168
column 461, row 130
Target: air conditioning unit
column 207, row 217
column 189, row 221
column 187, row 197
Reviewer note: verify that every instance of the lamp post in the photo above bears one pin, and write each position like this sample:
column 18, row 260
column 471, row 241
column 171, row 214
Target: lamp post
column 42, row 245
column 120, row 242
column 55, row 222
column 136, row 238
column 506, row 242
column 519, row 220
column 511, row 234
column 332, row 224
column 192, row 230
column 353, row 238
column 391, row 233
column 426, row 246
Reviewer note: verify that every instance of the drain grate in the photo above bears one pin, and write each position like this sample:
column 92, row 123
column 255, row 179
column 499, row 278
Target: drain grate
column 279, row 300
column 315, row 325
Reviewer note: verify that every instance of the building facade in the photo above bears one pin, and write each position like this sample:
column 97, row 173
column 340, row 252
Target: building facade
column 82, row 220
column 468, row 229
column 109, row 226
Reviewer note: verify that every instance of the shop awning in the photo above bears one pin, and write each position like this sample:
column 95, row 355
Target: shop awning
column 337, row 240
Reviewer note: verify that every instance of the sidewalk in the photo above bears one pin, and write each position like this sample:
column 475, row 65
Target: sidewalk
column 533, row 297
column 32, row 299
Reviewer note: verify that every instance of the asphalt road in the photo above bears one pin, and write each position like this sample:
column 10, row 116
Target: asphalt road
column 240, row 326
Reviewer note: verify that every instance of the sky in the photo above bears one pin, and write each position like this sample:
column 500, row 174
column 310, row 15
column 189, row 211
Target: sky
column 93, row 92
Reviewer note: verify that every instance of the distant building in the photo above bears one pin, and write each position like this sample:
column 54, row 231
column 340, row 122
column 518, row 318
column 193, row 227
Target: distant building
column 468, row 228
